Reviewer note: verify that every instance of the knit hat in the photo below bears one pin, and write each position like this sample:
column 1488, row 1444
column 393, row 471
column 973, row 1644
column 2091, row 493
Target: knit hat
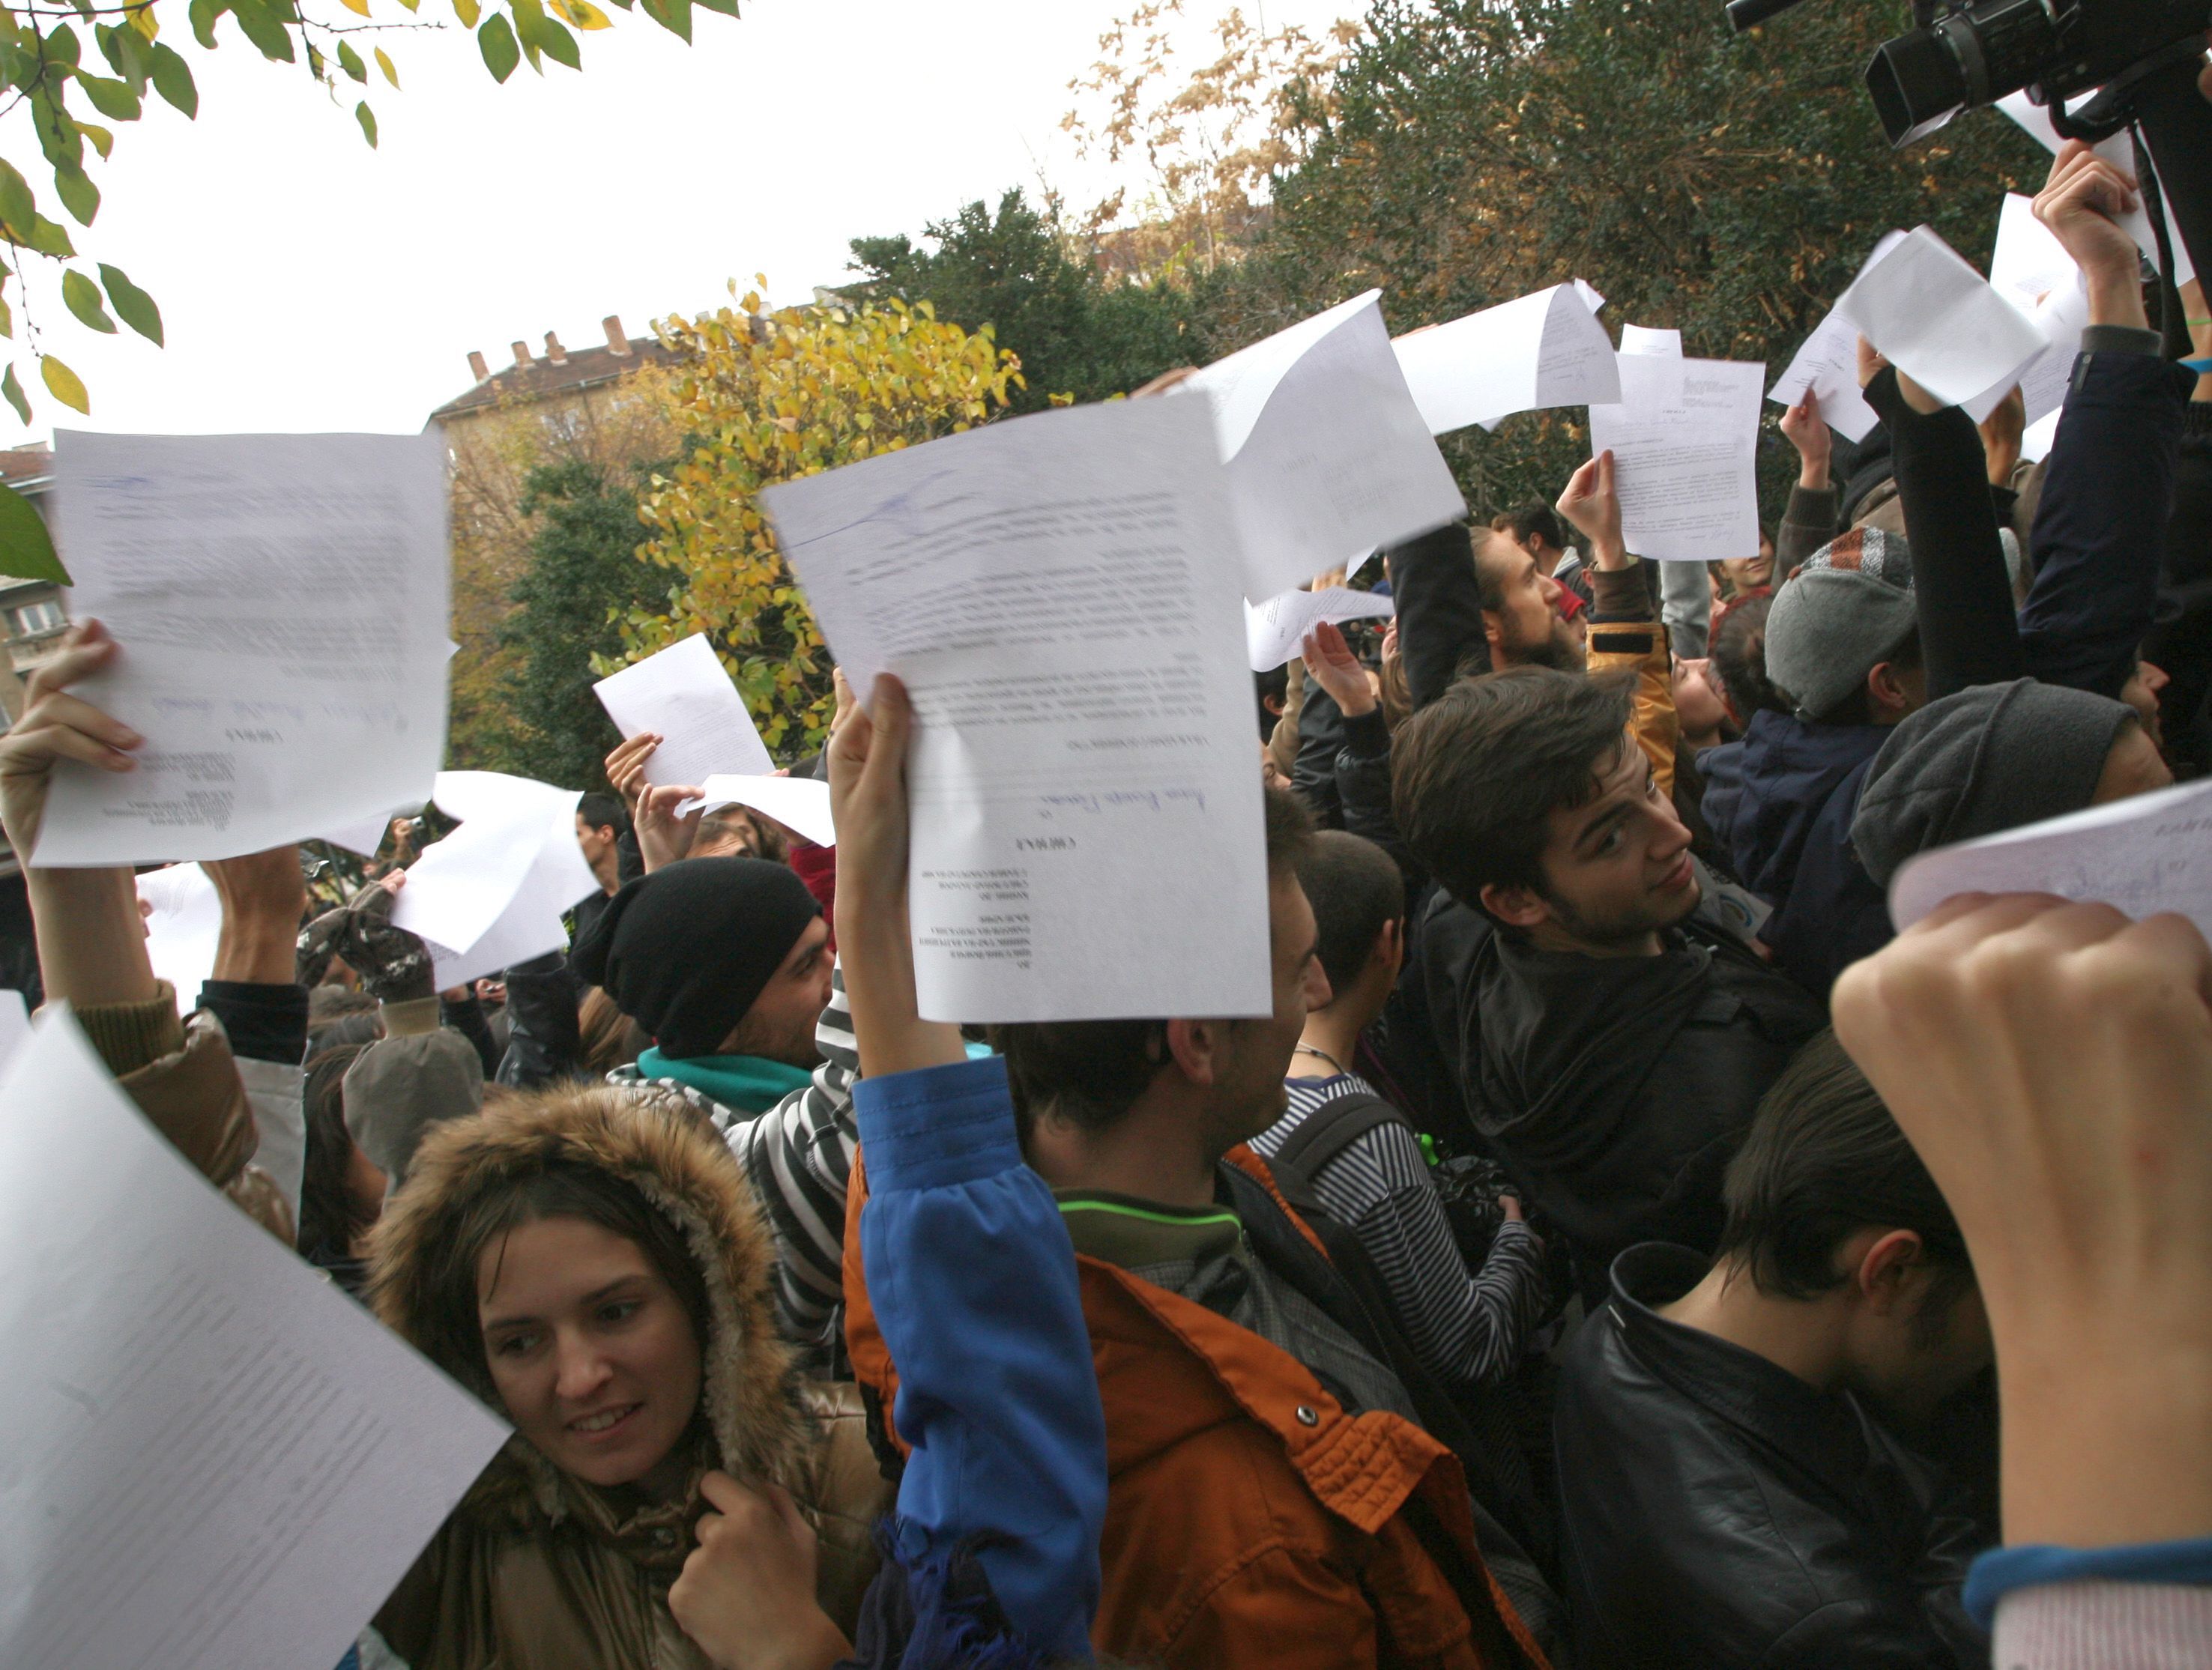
column 1843, row 614
column 684, row 951
column 1985, row 760
column 400, row 1086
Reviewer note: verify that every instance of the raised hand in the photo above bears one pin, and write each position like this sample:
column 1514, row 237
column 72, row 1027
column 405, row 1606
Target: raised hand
column 1331, row 664
column 1591, row 505
column 664, row 837
column 1808, row 432
column 263, row 896
column 57, row 726
column 625, row 768
column 2001, row 436
column 2081, row 202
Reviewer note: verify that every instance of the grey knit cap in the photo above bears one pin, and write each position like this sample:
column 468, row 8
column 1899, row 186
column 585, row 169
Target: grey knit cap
column 1985, row 760
column 1843, row 614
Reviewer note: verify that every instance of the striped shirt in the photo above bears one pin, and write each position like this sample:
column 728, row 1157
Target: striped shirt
column 1468, row 1327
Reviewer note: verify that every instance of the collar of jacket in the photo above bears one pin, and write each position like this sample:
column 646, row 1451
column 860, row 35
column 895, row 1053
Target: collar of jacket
column 750, row 1083
column 1130, row 1233
column 1821, row 1431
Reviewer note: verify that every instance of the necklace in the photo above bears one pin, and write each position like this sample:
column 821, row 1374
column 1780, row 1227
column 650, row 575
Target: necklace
column 1308, row 1049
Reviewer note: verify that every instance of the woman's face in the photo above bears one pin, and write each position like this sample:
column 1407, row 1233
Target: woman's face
column 1697, row 698
column 1746, row 571
column 591, row 1351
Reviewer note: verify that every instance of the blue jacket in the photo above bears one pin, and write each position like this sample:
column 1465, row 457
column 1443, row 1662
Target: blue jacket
column 972, row 1278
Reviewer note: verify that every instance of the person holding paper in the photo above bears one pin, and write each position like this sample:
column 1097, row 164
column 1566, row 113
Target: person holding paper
column 591, row 1265
column 1228, row 1540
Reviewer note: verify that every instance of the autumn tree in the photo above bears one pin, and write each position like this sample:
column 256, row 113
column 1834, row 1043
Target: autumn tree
column 768, row 397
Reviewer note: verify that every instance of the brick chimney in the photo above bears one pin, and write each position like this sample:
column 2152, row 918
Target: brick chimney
column 478, row 366
column 522, row 354
column 617, row 343
column 554, row 351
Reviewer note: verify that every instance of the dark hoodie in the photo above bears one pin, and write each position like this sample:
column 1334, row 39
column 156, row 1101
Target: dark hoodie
column 1614, row 1089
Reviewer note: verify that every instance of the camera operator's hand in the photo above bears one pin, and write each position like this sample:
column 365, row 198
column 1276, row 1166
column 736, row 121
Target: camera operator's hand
column 2081, row 202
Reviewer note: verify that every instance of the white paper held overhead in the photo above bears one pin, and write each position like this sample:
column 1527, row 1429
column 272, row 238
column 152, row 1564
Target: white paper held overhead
column 217, row 1457
column 183, row 923
column 682, row 695
column 1544, row 349
column 799, row 804
column 1274, row 629
column 1827, row 364
column 1326, row 455
column 1088, row 840
column 1939, row 322
column 1685, row 442
column 1656, row 341
column 281, row 603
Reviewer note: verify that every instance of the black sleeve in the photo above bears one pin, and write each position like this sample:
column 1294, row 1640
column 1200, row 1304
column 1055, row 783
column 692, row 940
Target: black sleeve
column 544, row 1042
column 1968, row 631
column 1439, row 611
column 629, row 857
column 1321, row 739
column 1363, row 786
column 2180, row 644
column 467, row 1019
column 265, row 1022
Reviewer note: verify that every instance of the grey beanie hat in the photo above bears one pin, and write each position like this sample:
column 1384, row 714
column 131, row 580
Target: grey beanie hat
column 1842, row 614
column 420, row 1075
column 1985, row 760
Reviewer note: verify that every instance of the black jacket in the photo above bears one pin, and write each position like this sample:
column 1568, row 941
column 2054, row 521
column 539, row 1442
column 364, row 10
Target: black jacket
column 1719, row 1514
column 1614, row 1089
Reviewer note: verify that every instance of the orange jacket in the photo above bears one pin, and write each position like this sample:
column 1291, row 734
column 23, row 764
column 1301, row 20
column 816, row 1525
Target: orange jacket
column 1251, row 1524
column 1638, row 645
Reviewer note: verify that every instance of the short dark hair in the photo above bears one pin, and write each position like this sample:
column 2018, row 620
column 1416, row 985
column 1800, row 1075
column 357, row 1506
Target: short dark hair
column 1534, row 516
column 1740, row 658
column 1356, row 890
column 601, row 811
column 1854, row 708
column 1271, row 687
column 1091, row 1072
column 1824, row 1159
column 1477, row 771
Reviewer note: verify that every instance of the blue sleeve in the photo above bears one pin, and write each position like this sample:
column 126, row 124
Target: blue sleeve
column 973, row 1282
column 1999, row 1572
column 2100, row 526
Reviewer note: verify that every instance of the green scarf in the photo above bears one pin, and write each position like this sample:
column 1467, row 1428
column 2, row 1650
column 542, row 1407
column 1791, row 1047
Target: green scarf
column 749, row 1084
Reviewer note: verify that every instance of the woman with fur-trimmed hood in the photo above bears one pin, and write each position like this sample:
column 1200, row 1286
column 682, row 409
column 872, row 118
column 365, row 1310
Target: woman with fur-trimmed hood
column 593, row 1266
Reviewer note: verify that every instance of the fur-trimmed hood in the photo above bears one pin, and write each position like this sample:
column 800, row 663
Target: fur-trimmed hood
column 681, row 1165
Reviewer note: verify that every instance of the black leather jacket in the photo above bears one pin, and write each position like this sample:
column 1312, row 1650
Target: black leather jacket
column 1718, row 1513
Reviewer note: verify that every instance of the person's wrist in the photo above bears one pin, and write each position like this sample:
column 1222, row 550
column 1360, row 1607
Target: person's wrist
column 91, row 939
column 2107, row 1447
column 1609, row 552
column 2003, row 461
column 1813, row 475
column 2116, row 298
column 817, row 1645
column 1353, row 703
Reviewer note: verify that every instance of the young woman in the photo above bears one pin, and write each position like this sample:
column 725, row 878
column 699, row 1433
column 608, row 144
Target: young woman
column 592, row 1263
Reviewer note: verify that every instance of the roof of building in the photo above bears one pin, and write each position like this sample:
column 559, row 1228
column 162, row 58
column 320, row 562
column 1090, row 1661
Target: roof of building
column 544, row 377
column 19, row 464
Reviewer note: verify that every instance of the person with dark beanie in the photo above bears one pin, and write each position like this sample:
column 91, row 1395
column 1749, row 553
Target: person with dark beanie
column 1995, row 758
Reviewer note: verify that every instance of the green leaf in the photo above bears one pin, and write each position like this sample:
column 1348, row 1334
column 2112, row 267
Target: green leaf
column 349, row 61
column 112, row 98
column 18, row 208
column 6, row 320
column 468, row 11
column 384, row 63
column 26, row 549
column 673, row 15
column 558, row 43
column 172, row 79
column 265, row 27
column 12, row 391
column 496, row 41
column 131, row 304
column 57, row 136
column 529, row 23
column 124, row 49
column 79, row 195
column 727, row 7
column 203, row 14
column 103, row 141
column 50, row 238
column 82, row 296
column 65, row 384
column 62, row 46
column 366, row 117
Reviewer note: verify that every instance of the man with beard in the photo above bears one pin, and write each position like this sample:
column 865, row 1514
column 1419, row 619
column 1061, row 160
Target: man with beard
column 1733, row 1493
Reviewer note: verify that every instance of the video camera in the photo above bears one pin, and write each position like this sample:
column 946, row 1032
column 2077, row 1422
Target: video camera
column 2143, row 54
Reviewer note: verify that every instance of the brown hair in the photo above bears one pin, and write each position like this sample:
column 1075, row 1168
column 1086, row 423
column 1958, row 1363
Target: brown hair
column 606, row 1037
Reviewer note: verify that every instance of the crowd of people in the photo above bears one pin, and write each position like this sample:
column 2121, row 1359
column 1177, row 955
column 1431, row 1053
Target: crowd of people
column 1618, row 1246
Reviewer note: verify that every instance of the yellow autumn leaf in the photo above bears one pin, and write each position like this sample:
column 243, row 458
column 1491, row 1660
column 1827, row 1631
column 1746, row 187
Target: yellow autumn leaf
column 358, row 7
column 583, row 14
column 385, row 64
column 66, row 385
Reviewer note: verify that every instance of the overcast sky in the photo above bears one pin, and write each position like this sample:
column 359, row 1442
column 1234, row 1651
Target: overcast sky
column 307, row 283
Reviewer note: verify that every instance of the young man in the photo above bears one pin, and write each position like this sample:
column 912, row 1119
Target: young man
column 1731, row 1496
column 1535, row 527
column 1274, row 1502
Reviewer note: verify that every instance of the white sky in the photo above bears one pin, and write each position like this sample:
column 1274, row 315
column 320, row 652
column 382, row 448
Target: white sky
column 307, row 283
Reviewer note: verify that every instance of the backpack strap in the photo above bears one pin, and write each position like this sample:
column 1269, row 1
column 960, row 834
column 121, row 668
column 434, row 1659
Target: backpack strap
column 1330, row 1129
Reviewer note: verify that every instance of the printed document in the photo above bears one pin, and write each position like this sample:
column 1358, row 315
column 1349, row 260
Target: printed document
column 1685, row 442
column 1544, row 349
column 216, row 1458
column 683, row 696
column 2145, row 855
column 1328, row 456
column 1274, row 629
column 281, row 603
column 1060, row 593
column 1939, row 322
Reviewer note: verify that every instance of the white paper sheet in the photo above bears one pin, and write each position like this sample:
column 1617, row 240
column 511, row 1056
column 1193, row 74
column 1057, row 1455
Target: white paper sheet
column 492, row 893
column 801, row 804
column 1828, row 364
column 1938, row 321
column 216, row 1459
column 1660, row 343
column 683, row 694
column 2119, row 150
column 1591, row 299
column 1328, row 456
column 1274, row 629
column 2031, row 271
column 14, row 1023
column 1088, row 840
column 1544, row 349
column 2144, row 855
column 281, row 601
column 366, row 836
column 1684, row 451
column 184, row 921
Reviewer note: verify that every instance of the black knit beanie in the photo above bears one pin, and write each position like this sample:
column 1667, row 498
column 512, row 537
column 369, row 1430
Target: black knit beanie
column 1983, row 761
column 684, row 951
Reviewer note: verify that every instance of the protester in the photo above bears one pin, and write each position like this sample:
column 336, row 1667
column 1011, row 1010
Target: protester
column 1732, row 1494
column 1535, row 527
column 342, row 1192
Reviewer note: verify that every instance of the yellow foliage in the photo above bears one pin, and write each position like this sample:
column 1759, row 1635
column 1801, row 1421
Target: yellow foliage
column 770, row 399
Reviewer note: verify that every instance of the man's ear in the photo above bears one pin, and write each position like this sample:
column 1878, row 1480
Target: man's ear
column 1390, row 946
column 1885, row 1267
column 1493, row 628
column 1885, row 691
column 1516, row 907
column 1274, row 704
column 1195, row 1047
